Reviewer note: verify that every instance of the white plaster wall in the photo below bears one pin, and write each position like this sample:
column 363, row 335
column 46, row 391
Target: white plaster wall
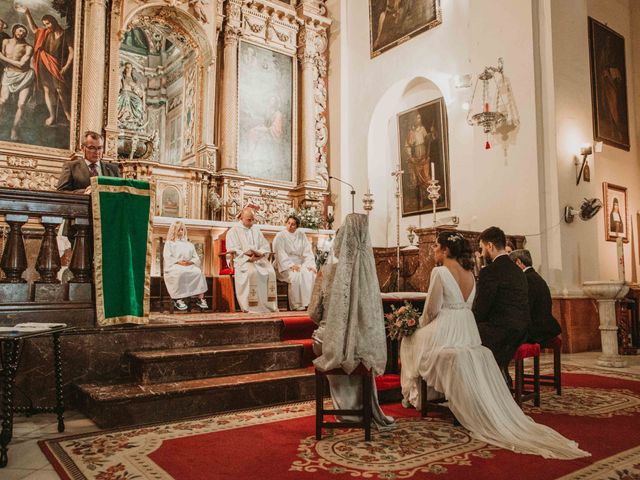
column 585, row 253
column 488, row 187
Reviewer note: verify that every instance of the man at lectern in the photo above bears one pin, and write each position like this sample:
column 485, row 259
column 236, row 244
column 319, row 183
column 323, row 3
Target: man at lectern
column 76, row 174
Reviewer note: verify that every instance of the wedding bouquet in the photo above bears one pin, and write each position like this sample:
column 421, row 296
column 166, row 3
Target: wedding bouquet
column 402, row 322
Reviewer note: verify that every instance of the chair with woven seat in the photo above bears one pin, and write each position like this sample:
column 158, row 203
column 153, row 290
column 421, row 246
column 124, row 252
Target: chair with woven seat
column 527, row 350
column 554, row 380
column 365, row 412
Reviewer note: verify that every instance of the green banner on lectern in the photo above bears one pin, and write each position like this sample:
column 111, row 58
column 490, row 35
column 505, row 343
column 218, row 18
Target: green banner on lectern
column 122, row 239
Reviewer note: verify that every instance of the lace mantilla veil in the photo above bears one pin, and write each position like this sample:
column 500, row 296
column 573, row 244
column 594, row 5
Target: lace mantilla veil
column 354, row 329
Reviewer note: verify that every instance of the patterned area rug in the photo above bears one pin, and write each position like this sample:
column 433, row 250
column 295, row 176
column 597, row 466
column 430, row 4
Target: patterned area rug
column 601, row 412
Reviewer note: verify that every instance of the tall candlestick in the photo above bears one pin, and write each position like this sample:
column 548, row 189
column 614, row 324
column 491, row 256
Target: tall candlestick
column 330, row 211
column 433, row 171
column 620, row 250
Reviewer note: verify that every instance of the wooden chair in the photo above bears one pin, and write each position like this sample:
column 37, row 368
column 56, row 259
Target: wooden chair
column 554, row 380
column 433, row 405
column 365, row 412
column 224, row 271
column 527, row 350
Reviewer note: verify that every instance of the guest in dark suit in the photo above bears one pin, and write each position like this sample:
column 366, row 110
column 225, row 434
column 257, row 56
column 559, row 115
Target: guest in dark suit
column 501, row 306
column 543, row 326
column 76, row 174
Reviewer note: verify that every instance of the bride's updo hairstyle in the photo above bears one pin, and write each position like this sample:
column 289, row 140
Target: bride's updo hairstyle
column 459, row 248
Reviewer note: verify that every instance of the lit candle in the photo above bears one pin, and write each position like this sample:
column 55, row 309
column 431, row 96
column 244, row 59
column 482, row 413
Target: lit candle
column 433, row 171
column 330, row 210
column 620, row 249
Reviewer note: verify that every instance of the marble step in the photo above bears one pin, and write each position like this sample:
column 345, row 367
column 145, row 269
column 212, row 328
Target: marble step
column 153, row 366
column 132, row 403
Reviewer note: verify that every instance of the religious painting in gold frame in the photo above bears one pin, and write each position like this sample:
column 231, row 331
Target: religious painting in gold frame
column 608, row 86
column 423, row 140
column 392, row 22
column 616, row 214
column 42, row 112
column 265, row 113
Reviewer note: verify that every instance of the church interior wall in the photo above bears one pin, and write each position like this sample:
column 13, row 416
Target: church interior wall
column 497, row 186
column 585, row 253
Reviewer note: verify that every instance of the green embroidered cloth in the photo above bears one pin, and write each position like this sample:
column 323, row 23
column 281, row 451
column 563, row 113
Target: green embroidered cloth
column 122, row 235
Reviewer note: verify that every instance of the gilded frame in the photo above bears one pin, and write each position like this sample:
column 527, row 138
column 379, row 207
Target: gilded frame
column 26, row 150
column 294, row 116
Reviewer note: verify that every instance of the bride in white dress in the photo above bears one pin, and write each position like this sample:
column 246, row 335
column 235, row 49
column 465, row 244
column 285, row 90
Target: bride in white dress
column 446, row 350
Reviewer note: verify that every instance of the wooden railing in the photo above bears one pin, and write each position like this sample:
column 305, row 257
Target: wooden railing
column 37, row 216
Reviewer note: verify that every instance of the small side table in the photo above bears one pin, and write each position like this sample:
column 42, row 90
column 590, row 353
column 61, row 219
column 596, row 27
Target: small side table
column 11, row 346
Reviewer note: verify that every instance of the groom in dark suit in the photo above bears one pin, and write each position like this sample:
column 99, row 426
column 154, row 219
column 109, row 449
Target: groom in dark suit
column 501, row 306
column 76, row 174
column 544, row 326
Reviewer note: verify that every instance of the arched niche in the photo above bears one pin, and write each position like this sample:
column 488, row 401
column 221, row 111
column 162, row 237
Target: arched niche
column 383, row 152
column 161, row 87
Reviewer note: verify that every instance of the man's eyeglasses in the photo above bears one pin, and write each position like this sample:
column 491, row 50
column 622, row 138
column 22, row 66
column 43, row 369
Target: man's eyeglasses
column 93, row 149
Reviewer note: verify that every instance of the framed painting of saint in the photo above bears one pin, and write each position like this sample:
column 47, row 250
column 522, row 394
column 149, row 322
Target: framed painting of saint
column 265, row 113
column 424, row 153
column 392, row 22
column 616, row 222
column 39, row 70
column 608, row 86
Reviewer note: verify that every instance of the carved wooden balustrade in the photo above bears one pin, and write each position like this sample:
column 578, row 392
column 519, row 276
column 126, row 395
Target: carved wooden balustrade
column 416, row 264
column 32, row 217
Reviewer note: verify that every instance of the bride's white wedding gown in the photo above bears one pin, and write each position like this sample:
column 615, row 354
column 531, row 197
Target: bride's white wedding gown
column 446, row 350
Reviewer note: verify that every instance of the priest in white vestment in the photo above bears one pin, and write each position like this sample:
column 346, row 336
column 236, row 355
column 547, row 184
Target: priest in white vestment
column 182, row 272
column 255, row 278
column 295, row 263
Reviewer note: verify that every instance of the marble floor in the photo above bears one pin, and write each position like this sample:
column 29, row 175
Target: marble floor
column 26, row 460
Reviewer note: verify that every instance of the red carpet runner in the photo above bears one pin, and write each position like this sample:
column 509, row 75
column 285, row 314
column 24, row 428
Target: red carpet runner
column 601, row 413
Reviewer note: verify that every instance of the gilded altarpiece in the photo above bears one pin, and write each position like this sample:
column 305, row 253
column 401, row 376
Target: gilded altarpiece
column 168, row 101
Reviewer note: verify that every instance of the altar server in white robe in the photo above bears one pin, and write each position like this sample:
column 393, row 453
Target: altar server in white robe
column 295, row 263
column 182, row 269
column 255, row 278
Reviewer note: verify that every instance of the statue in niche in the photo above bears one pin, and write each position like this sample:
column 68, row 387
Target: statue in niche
column 131, row 100
column 197, row 8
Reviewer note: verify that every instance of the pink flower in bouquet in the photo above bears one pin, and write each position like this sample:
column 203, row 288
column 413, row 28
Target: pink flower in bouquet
column 398, row 323
column 389, row 316
column 411, row 322
column 401, row 310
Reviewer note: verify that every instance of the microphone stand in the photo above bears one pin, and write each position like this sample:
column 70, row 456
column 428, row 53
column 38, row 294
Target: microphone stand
column 353, row 192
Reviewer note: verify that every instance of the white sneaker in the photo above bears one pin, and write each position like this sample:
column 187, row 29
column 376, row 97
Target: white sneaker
column 202, row 303
column 180, row 305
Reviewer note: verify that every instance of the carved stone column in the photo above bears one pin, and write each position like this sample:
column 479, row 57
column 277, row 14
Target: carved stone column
column 229, row 124
column 306, row 56
column 93, row 67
